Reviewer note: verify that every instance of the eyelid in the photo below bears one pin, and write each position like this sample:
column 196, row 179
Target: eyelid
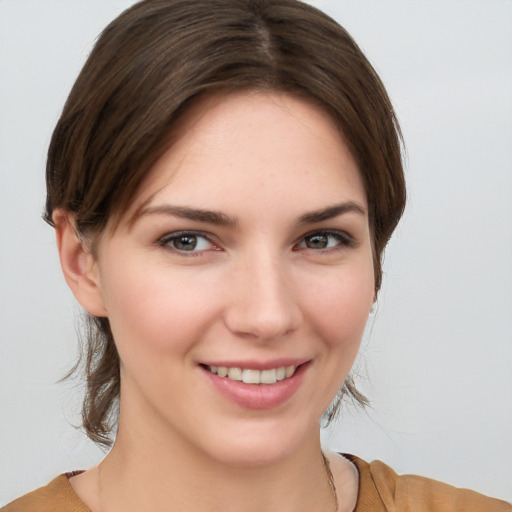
column 346, row 240
column 164, row 241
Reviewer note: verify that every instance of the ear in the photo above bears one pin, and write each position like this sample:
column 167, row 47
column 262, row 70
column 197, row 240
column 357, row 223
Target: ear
column 79, row 266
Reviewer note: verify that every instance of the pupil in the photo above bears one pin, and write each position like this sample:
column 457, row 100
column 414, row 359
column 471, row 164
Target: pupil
column 186, row 242
column 317, row 242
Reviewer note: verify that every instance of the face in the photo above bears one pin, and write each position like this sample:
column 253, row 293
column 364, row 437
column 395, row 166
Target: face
column 246, row 254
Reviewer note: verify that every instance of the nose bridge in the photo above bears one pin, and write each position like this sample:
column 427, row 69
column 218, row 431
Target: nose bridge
column 263, row 303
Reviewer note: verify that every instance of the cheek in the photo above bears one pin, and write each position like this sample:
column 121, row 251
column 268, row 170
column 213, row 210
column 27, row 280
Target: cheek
column 155, row 310
column 339, row 309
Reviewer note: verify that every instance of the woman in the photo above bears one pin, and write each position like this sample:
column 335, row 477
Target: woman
column 223, row 181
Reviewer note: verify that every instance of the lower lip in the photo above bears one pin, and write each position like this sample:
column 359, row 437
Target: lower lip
column 257, row 396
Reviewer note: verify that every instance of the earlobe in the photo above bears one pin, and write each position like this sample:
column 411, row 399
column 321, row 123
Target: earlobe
column 78, row 264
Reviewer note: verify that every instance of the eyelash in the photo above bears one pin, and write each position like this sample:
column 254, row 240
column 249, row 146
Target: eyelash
column 344, row 241
column 169, row 239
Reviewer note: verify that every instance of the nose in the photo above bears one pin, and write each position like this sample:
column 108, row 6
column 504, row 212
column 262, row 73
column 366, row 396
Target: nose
column 263, row 304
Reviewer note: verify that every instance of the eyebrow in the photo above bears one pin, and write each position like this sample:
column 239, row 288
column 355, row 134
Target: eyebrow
column 331, row 212
column 197, row 214
column 221, row 219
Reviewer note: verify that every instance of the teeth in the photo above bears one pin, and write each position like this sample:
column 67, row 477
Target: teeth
column 290, row 370
column 268, row 376
column 235, row 373
column 249, row 376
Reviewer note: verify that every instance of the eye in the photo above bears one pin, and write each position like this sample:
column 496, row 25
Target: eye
column 187, row 241
column 322, row 240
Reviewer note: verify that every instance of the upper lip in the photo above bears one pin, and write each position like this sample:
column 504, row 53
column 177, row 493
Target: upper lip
column 253, row 364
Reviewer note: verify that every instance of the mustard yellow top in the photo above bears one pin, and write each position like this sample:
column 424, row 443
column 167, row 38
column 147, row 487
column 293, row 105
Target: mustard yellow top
column 380, row 490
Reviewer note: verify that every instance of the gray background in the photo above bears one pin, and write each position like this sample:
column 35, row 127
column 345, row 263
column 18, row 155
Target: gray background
column 437, row 357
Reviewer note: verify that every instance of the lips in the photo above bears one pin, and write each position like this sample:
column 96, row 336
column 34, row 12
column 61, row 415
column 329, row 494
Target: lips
column 256, row 386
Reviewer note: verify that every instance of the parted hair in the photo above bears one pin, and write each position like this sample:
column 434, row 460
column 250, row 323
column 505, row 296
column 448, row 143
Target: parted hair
column 145, row 71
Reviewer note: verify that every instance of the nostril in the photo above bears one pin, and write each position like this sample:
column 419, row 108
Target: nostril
column 261, row 321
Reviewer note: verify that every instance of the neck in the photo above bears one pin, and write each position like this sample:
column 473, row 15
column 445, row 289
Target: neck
column 151, row 475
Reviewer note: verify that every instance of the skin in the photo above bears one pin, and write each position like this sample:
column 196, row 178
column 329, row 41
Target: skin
column 257, row 288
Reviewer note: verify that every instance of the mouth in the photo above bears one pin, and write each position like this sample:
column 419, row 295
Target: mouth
column 256, row 385
column 253, row 376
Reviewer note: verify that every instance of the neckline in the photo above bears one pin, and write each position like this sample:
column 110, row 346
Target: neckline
column 367, row 494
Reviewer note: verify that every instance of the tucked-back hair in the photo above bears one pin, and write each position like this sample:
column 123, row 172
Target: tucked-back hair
column 149, row 66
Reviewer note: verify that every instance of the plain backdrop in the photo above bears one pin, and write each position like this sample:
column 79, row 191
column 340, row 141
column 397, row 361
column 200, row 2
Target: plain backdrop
column 437, row 356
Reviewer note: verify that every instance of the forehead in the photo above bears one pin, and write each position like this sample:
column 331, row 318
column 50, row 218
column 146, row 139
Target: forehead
column 233, row 145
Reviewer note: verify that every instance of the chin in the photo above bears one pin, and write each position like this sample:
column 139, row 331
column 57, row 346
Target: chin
column 262, row 443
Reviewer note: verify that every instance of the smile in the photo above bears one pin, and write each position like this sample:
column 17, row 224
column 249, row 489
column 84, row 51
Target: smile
column 250, row 376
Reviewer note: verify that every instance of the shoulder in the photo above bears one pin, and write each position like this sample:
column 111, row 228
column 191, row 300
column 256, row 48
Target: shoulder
column 382, row 489
column 57, row 495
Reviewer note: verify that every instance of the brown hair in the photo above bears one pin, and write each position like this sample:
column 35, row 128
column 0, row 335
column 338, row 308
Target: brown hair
column 146, row 69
